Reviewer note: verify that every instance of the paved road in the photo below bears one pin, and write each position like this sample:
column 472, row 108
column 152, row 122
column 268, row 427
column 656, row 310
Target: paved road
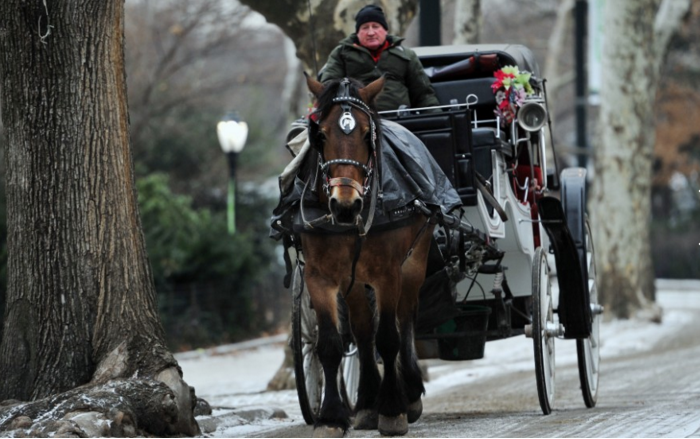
column 644, row 392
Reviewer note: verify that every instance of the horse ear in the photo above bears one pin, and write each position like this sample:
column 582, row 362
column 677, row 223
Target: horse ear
column 370, row 92
column 315, row 87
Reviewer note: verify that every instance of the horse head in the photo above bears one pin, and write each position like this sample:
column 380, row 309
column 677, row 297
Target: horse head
column 345, row 135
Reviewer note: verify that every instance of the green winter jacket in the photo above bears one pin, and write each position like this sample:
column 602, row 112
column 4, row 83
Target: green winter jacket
column 406, row 82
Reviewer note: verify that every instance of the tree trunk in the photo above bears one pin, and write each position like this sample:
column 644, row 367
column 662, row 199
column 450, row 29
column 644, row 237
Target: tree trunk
column 621, row 195
column 81, row 411
column 467, row 22
column 556, row 45
column 284, row 377
column 81, row 305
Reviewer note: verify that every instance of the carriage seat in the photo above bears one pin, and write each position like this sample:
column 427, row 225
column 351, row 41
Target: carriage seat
column 484, row 135
column 460, row 90
column 447, row 135
column 484, row 140
column 474, row 66
column 471, row 75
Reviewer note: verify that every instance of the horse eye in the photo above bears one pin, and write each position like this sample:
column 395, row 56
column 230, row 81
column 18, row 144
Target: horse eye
column 320, row 138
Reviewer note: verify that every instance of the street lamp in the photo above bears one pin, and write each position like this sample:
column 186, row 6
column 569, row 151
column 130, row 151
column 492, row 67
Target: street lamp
column 232, row 133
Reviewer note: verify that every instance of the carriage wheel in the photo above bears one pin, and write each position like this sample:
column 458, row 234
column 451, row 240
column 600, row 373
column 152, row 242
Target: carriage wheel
column 350, row 382
column 349, row 377
column 542, row 330
column 308, row 371
column 588, row 349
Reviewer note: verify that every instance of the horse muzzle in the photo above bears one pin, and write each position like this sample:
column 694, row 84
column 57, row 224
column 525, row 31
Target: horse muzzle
column 345, row 201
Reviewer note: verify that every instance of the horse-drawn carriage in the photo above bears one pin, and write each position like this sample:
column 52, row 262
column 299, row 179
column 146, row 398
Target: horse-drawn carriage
column 511, row 260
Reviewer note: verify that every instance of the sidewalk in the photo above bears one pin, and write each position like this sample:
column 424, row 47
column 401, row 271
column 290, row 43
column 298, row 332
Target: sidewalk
column 233, row 378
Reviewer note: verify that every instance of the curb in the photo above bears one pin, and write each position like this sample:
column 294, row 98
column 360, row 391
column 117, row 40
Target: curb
column 233, row 347
column 209, row 424
column 684, row 285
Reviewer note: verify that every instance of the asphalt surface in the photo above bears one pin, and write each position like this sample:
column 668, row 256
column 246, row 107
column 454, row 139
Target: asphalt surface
column 653, row 392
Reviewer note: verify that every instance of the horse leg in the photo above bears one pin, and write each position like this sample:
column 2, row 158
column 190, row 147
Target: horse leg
column 412, row 278
column 361, row 312
column 412, row 376
column 392, row 404
column 333, row 419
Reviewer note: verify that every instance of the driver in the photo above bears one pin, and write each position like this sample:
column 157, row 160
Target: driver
column 370, row 53
column 365, row 56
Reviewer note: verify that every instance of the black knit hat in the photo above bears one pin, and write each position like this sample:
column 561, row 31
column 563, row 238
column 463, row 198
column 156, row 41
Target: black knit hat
column 370, row 13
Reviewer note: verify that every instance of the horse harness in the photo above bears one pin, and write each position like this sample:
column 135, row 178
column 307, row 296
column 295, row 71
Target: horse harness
column 370, row 187
column 347, row 124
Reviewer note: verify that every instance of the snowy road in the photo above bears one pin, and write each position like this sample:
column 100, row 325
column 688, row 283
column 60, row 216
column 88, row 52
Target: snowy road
column 649, row 385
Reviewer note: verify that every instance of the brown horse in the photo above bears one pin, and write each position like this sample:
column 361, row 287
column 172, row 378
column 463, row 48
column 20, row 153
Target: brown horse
column 392, row 262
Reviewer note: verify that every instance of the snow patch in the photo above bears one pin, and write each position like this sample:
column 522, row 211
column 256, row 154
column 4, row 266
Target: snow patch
column 239, row 379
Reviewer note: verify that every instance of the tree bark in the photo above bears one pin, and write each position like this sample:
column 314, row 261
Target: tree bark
column 621, row 193
column 115, row 409
column 284, row 377
column 81, row 305
column 556, row 45
column 467, row 22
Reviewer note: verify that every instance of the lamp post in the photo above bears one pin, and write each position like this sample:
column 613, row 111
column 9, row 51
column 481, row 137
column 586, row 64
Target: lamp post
column 232, row 133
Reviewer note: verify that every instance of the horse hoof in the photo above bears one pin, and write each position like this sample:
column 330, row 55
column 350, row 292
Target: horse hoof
column 415, row 409
column 366, row 420
column 393, row 426
column 326, row 431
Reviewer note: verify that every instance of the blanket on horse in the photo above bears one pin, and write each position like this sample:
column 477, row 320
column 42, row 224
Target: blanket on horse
column 408, row 172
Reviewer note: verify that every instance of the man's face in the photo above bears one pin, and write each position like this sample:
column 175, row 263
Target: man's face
column 371, row 35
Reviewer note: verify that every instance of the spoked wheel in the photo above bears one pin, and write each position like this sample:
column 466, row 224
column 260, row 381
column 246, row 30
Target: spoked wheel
column 349, row 376
column 308, row 371
column 543, row 333
column 588, row 349
column 350, row 368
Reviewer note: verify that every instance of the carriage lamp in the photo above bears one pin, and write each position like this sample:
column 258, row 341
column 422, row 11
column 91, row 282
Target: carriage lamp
column 232, row 133
column 532, row 115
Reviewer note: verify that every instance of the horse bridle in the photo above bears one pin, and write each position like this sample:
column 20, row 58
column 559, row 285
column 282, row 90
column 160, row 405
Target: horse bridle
column 347, row 125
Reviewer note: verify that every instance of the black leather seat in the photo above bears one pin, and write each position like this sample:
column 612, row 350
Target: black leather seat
column 447, row 135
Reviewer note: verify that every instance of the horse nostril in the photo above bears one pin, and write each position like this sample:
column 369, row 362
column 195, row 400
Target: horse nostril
column 357, row 206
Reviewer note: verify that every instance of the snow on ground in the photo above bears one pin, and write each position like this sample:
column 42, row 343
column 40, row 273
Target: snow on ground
column 235, row 376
